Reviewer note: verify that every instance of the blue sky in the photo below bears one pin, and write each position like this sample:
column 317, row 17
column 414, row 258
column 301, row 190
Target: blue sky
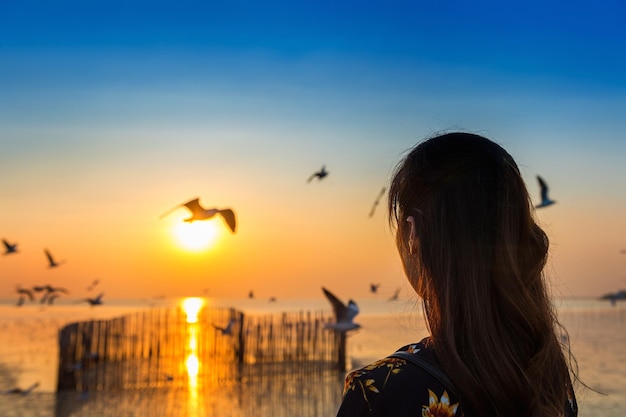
column 101, row 99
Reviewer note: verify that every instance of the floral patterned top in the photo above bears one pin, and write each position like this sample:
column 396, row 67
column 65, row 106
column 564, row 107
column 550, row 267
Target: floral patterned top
column 393, row 387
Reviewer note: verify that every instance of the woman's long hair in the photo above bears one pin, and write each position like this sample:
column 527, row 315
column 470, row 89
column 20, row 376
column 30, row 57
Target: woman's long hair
column 477, row 262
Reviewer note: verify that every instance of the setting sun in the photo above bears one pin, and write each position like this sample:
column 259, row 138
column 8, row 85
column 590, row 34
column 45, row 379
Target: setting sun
column 197, row 235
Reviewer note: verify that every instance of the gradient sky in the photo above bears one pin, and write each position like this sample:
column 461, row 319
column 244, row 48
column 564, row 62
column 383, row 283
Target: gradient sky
column 111, row 113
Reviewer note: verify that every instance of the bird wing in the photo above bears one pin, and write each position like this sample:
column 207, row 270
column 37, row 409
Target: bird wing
column 395, row 295
column 544, row 188
column 27, row 292
column 341, row 311
column 352, row 310
column 320, row 174
column 380, row 194
column 170, row 210
column 6, row 244
column 229, row 217
column 373, row 209
column 229, row 327
column 50, row 259
column 194, row 206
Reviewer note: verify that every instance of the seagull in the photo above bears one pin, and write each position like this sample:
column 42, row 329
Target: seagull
column 545, row 200
column 93, row 285
column 200, row 213
column 49, row 291
column 95, row 301
column 51, row 299
column 50, row 288
column 395, row 295
column 21, row 391
column 615, row 296
column 374, row 288
column 24, row 293
column 51, row 262
column 251, row 295
column 226, row 331
column 344, row 314
column 9, row 247
column 377, row 201
column 319, row 174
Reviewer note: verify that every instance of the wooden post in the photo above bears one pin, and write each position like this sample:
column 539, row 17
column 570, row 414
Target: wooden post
column 66, row 379
column 341, row 352
column 240, row 351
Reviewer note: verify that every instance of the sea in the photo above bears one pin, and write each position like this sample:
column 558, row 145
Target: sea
column 596, row 330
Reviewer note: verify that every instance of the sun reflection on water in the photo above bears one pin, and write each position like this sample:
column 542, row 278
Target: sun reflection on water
column 192, row 363
column 192, row 307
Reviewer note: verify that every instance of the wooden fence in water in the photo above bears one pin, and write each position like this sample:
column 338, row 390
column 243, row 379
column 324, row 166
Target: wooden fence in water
column 159, row 347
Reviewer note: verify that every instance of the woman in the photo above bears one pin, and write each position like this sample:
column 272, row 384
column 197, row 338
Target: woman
column 472, row 251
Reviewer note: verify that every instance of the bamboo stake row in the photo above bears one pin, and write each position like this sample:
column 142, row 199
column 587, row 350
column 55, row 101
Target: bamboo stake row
column 158, row 347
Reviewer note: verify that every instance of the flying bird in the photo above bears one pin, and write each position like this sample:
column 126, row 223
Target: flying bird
column 374, row 288
column 344, row 314
column 95, row 301
column 319, row 174
column 545, row 200
column 93, row 285
column 50, row 288
column 226, row 331
column 614, row 297
column 376, row 202
column 9, row 248
column 200, row 213
column 50, row 294
column 51, row 299
column 20, row 391
column 24, row 293
column 51, row 262
column 395, row 295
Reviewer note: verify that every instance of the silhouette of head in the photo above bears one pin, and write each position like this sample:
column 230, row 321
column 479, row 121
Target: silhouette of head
column 473, row 252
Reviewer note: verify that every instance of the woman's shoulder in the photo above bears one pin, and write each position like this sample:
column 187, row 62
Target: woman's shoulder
column 395, row 386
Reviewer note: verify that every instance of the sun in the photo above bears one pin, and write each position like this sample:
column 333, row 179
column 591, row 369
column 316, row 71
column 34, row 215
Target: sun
column 196, row 236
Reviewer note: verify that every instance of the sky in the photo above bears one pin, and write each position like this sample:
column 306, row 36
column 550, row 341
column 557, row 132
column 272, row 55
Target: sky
column 113, row 113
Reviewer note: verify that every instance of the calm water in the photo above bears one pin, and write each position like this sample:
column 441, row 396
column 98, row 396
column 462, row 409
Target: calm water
column 28, row 353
